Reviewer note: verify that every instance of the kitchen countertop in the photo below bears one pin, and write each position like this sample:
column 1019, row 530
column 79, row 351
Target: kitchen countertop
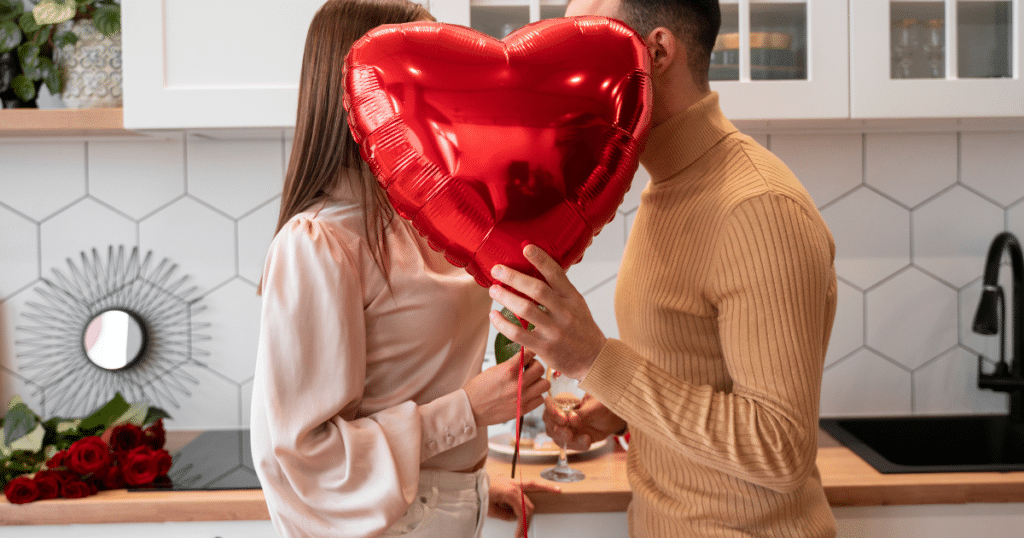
column 848, row 481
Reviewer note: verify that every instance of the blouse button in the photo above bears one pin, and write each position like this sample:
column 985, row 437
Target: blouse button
column 433, row 445
column 450, row 438
column 467, row 429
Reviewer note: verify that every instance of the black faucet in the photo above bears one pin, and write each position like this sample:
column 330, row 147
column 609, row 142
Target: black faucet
column 991, row 319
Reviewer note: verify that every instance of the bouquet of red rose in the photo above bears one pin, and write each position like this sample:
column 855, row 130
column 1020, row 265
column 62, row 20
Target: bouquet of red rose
column 120, row 444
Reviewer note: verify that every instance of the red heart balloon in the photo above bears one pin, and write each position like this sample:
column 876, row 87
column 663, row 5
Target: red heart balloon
column 489, row 145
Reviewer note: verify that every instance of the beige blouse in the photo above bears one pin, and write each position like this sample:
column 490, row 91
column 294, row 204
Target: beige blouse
column 358, row 386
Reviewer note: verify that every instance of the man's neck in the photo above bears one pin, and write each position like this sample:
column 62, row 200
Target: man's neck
column 675, row 90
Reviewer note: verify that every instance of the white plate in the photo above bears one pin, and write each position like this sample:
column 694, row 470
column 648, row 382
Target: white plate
column 504, row 443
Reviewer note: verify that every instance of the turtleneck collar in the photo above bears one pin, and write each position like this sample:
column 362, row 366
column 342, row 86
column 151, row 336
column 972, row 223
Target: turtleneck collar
column 680, row 140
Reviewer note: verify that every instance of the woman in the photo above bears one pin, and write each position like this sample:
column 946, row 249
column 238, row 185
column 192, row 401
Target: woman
column 369, row 408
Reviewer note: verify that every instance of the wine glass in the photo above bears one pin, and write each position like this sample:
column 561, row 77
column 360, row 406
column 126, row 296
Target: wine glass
column 906, row 42
column 935, row 47
column 567, row 395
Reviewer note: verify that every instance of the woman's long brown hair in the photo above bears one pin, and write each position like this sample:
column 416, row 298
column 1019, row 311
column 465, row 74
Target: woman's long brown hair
column 323, row 150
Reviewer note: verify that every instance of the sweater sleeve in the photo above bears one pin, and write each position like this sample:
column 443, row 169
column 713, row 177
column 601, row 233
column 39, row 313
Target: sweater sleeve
column 770, row 283
column 326, row 471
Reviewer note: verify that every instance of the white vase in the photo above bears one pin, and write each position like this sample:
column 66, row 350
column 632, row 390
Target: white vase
column 91, row 69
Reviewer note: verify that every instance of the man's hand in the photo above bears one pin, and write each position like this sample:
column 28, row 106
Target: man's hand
column 590, row 422
column 506, row 503
column 565, row 335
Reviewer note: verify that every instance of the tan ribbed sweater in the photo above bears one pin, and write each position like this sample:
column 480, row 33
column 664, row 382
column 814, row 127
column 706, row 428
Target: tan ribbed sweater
column 725, row 302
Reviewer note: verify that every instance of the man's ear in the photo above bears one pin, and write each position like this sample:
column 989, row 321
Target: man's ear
column 664, row 49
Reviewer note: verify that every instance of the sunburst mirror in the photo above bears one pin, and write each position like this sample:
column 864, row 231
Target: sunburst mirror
column 119, row 323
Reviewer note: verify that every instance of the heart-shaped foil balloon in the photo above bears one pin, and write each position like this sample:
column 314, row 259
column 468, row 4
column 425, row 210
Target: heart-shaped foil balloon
column 489, row 145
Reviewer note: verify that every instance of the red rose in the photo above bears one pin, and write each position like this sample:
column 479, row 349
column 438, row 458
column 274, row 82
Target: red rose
column 48, row 485
column 114, row 479
column 66, row 476
column 155, row 435
column 75, row 489
column 140, row 466
column 125, row 437
column 57, row 460
column 21, row 490
column 163, row 462
column 88, row 455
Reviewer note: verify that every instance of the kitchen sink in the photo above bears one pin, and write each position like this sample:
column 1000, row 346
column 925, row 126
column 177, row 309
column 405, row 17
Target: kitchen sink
column 932, row 444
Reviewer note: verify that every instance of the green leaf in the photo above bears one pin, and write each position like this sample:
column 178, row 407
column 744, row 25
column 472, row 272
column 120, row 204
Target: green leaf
column 103, row 416
column 10, row 35
column 65, row 39
column 42, row 36
column 51, row 76
column 135, row 414
column 107, row 19
column 504, row 348
column 20, row 420
column 11, row 9
column 155, row 414
column 27, row 23
column 53, row 11
column 31, row 66
column 31, row 442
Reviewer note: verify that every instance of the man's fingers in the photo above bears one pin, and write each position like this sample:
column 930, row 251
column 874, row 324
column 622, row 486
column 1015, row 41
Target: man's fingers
column 582, row 442
column 523, row 283
column 513, row 331
column 548, row 267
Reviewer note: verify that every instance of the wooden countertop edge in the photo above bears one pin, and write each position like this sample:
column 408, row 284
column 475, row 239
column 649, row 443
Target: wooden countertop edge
column 848, row 481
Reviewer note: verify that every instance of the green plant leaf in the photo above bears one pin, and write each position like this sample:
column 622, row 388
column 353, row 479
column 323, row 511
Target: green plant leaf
column 65, row 39
column 107, row 19
column 504, row 348
column 10, row 35
column 51, row 75
column 155, row 414
column 32, row 441
column 20, row 420
column 11, row 9
column 31, row 66
column 54, row 11
column 135, row 414
column 103, row 416
column 41, row 36
column 27, row 23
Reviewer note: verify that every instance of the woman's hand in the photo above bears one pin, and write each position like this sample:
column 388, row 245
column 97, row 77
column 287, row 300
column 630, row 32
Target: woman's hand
column 492, row 393
column 590, row 422
column 507, row 504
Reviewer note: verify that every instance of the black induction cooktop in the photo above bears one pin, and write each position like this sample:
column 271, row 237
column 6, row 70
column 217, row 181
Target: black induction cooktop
column 216, row 459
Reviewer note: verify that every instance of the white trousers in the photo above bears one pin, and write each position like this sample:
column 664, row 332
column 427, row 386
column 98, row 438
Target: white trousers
column 447, row 504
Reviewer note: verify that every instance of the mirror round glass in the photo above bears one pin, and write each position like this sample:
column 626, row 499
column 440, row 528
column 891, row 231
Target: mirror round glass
column 114, row 339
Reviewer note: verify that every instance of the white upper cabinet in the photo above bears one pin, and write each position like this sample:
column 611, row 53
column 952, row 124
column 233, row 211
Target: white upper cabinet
column 782, row 59
column 213, row 63
column 936, row 58
column 195, row 64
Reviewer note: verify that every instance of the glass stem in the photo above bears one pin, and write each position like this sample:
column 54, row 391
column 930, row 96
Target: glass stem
column 563, row 460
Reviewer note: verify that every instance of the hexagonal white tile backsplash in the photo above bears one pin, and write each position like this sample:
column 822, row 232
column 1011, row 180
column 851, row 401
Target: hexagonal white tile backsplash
column 912, row 215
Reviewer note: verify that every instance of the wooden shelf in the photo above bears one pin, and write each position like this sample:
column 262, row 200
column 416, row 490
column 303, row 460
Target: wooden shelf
column 63, row 123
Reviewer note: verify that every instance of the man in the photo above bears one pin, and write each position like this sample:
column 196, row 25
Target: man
column 724, row 301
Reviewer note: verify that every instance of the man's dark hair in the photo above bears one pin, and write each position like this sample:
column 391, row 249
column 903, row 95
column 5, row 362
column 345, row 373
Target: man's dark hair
column 695, row 22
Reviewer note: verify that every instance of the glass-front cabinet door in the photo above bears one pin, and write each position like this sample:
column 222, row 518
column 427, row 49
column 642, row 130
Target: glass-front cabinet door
column 782, row 59
column 936, row 58
column 774, row 58
column 496, row 18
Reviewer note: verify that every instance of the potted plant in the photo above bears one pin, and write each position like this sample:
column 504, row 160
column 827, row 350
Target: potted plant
column 36, row 45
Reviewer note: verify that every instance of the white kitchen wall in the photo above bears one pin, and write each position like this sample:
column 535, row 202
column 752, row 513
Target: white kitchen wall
column 912, row 215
